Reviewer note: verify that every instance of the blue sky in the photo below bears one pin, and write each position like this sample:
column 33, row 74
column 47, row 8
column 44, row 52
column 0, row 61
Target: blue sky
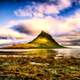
column 70, row 10
column 53, row 16
column 7, row 11
column 7, row 8
column 25, row 19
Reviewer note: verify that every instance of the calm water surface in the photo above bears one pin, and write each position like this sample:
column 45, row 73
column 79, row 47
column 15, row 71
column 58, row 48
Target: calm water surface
column 75, row 52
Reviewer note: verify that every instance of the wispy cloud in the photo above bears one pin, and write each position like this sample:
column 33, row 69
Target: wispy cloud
column 42, row 9
column 43, row 16
column 53, row 25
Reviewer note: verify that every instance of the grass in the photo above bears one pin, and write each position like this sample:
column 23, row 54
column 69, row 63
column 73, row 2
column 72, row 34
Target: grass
column 39, row 65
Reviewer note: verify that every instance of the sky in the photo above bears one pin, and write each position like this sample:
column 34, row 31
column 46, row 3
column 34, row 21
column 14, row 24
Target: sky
column 27, row 18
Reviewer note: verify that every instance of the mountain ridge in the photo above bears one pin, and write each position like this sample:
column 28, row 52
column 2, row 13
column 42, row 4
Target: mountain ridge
column 43, row 40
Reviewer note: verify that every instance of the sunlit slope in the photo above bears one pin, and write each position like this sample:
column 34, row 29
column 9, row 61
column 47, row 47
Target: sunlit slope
column 43, row 40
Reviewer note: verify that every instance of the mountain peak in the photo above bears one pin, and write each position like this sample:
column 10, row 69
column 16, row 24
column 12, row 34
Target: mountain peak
column 45, row 40
column 46, row 36
column 43, row 34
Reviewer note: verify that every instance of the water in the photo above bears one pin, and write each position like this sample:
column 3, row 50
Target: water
column 75, row 52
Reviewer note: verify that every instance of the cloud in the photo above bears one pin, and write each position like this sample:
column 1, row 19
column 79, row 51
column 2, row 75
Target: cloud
column 21, row 28
column 49, row 24
column 42, row 9
column 75, row 42
column 4, row 31
column 53, row 25
column 45, row 14
column 64, row 4
column 74, row 20
column 42, row 16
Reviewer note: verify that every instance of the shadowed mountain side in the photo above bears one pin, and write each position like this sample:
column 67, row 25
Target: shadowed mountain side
column 43, row 40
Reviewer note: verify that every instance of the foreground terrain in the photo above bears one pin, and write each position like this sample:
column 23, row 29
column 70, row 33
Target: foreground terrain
column 39, row 65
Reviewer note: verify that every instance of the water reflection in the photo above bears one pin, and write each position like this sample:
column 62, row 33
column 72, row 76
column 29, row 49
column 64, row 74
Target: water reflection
column 68, row 52
column 41, row 52
column 29, row 53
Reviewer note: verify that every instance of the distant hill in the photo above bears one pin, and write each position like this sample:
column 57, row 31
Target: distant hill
column 43, row 40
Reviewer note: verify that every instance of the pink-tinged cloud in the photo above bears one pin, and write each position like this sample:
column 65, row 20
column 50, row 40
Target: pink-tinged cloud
column 74, row 20
column 38, row 10
column 64, row 4
column 51, row 25
column 59, row 25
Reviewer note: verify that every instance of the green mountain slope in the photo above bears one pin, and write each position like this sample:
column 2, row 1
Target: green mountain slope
column 43, row 40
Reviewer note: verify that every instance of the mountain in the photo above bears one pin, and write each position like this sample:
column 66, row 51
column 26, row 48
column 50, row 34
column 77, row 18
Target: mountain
column 43, row 40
